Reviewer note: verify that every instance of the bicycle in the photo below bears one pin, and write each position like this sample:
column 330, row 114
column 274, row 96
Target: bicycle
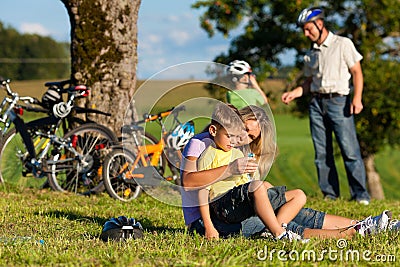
column 39, row 138
column 127, row 170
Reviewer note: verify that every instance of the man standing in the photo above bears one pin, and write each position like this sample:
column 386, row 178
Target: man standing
column 329, row 65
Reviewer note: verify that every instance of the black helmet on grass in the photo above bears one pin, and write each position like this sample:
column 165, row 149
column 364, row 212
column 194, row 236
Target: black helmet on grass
column 121, row 229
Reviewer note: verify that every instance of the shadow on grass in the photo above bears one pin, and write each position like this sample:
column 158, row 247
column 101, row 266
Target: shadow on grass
column 146, row 222
column 148, row 225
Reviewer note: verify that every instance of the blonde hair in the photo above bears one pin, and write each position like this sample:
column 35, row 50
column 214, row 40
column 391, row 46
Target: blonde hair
column 226, row 116
column 264, row 146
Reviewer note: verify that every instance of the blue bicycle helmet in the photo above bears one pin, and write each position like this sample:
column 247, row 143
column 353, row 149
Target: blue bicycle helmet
column 309, row 15
column 121, row 229
column 181, row 135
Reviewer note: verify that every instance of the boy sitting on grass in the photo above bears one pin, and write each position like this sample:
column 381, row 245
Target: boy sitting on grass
column 238, row 197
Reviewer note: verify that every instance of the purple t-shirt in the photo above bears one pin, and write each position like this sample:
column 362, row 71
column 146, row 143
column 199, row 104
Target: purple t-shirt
column 190, row 202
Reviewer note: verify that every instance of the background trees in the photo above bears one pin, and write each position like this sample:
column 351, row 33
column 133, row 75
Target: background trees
column 31, row 56
column 269, row 29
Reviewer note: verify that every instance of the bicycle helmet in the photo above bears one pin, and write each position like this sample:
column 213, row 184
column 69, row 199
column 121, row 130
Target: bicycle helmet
column 181, row 135
column 121, row 229
column 239, row 67
column 51, row 97
column 309, row 15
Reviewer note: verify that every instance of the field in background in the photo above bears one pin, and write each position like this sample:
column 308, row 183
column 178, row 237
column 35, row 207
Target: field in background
column 294, row 165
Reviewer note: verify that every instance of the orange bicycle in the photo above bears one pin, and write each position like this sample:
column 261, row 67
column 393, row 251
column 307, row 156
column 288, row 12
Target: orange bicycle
column 140, row 162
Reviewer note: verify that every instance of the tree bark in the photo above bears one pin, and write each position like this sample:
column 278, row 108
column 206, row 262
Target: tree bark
column 373, row 178
column 104, row 54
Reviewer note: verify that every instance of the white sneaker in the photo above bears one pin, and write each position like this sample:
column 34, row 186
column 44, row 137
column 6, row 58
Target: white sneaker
column 373, row 225
column 291, row 236
column 394, row 225
column 265, row 233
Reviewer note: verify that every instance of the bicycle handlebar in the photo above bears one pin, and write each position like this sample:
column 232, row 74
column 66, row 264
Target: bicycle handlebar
column 29, row 100
column 74, row 91
column 163, row 114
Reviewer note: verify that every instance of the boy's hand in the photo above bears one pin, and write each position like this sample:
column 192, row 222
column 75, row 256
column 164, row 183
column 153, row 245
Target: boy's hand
column 243, row 165
column 211, row 233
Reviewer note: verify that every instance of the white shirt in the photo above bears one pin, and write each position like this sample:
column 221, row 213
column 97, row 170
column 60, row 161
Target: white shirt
column 329, row 64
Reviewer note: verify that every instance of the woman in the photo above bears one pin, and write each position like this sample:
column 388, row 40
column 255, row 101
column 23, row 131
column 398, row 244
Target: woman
column 260, row 135
column 246, row 90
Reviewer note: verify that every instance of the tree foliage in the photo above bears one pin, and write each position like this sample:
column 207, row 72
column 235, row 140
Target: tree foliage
column 268, row 29
column 31, row 56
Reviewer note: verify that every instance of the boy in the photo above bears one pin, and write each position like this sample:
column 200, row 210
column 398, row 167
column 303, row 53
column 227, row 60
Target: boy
column 236, row 198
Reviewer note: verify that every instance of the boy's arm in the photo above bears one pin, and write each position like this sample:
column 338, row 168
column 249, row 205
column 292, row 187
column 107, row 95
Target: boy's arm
column 211, row 232
column 193, row 179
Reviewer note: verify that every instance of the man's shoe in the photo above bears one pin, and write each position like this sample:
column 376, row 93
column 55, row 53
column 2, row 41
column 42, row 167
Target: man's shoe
column 363, row 202
column 373, row 225
column 329, row 198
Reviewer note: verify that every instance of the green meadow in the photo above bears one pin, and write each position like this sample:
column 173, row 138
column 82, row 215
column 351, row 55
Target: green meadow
column 46, row 228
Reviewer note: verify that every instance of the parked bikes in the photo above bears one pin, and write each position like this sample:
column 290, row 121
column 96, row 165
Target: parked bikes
column 47, row 147
column 78, row 155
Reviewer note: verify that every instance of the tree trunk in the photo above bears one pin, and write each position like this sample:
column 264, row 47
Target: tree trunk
column 373, row 178
column 104, row 54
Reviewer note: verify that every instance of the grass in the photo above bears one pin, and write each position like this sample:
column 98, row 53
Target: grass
column 70, row 225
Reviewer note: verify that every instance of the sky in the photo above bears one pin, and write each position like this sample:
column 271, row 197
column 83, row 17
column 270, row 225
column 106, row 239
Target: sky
column 168, row 31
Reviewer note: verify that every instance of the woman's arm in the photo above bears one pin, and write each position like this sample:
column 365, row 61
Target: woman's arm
column 255, row 85
column 193, row 179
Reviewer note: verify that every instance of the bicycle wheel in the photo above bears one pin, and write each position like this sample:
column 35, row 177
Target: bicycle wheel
column 13, row 153
column 80, row 172
column 116, row 168
column 13, row 156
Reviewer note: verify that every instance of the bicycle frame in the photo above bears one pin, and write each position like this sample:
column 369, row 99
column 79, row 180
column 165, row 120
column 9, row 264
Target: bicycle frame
column 10, row 116
column 155, row 150
column 9, row 103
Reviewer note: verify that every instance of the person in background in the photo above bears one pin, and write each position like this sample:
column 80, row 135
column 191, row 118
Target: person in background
column 328, row 67
column 246, row 90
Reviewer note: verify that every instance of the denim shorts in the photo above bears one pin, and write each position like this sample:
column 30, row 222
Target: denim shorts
column 276, row 196
column 306, row 218
column 237, row 204
column 251, row 226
